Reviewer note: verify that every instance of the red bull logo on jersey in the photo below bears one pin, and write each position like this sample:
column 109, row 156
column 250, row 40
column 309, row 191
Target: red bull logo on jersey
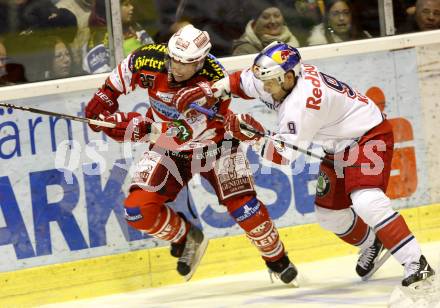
column 280, row 56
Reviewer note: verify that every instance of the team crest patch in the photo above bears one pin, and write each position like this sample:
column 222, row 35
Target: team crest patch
column 323, row 185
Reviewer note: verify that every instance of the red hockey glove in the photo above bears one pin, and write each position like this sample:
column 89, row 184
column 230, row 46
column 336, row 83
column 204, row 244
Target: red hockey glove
column 103, row 100
column 234, row 125
column 129, row 126
column 201, row 94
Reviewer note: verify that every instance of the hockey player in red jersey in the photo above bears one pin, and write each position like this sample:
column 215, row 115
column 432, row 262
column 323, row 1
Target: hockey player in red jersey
column 313, row 106
column 180, row 145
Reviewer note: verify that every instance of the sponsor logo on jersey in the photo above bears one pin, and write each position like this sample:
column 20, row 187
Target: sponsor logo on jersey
column 323, row 185
column 164, row 109
column 246, row 211
column 157, row 47
column 178, row 129
column 149, row 62
column 311, row 75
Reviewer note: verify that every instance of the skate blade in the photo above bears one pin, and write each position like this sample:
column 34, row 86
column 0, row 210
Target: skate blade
column 198, row 257
column 377, row 265
column 294, row 283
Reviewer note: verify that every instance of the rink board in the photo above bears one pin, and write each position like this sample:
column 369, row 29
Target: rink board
column 155, row 267
column 62, row 227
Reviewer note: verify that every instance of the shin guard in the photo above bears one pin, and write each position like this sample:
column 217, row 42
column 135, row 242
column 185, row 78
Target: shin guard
column 146, row 211
column 253, row 218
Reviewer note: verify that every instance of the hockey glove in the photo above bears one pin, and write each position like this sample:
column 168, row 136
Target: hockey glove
column 235, row 125
column 201, row 94
column 129, row 126
column 222, row 88
column 103, row 100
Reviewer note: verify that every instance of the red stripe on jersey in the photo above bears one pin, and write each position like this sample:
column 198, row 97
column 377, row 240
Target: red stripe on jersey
column 111, row 85
column 122, row 79
column 234, row 81
column 393, row 233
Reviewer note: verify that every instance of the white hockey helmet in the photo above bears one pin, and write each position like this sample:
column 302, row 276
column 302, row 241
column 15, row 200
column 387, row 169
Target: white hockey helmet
column 275, row 60
column 189, row 45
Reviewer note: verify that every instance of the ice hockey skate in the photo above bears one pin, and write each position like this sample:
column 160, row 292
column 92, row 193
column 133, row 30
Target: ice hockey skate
column 371, row 259
column 190, row 252
column 416, row 273
column 284, row 270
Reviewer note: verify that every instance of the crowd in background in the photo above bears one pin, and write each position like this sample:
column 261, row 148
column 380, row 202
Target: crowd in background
column 51, row 39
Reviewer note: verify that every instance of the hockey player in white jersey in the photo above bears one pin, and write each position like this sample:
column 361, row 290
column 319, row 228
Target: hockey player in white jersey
column 315, row 107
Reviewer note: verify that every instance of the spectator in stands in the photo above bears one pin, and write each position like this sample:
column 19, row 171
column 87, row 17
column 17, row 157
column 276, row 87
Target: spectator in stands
column 61, row 64
column 267, row 26
column 82, row 10
column 20, row 15
column 10, row 73
column 52, row 59
column 426, row 17
column 61, row 23
column 224, row 20
column 410, row 6
column 96, row 52
column 25, row 16
column 338, row 25
column 30, row 22
column 302, row 17
column 367, row 14
column 134, row 35
column 3, row 56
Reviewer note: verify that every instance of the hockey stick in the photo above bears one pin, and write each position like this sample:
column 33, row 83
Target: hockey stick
column 60, row 115
column 212, row 114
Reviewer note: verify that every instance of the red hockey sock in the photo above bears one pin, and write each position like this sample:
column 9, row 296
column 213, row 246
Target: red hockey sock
column 252, row 216
column 147, row 211
column 357, row 234
column 393, row 232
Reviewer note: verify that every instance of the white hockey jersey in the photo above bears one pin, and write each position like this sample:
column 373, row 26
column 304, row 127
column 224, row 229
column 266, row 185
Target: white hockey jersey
column 320, row 109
